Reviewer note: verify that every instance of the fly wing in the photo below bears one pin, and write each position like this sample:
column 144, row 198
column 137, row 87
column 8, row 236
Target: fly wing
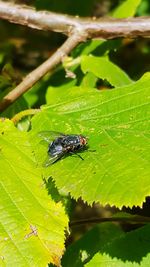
column 49, row 136
column 51, row 160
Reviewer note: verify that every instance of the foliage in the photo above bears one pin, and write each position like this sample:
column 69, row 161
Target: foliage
column 103, row 102
column 110, row 247
column 115, row 122
column 122, row 250
column 32, row 225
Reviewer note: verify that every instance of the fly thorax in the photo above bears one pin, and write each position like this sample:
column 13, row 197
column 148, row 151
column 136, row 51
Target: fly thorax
column 71, row 140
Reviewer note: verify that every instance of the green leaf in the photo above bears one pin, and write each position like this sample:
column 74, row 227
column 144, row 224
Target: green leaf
column 103, row 68
column 56, row 96
column 31, row 223
column 143, row 8
column 121, row 155
column 89, row 80
column 129, row 250
column 126, row 9
column 87, row 48
column 116, row 124
column 93, row 241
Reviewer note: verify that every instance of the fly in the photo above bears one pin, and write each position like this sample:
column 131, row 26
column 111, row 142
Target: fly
column 60, row 145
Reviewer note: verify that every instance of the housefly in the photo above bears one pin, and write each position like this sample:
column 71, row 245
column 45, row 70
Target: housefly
column 60, row 145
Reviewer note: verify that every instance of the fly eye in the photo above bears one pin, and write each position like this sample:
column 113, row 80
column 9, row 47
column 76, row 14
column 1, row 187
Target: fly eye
column 84, row 141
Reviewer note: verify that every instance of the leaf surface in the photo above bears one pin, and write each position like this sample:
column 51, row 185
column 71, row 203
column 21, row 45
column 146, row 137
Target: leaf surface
column 31, row 223
column 116, row 123
column 102, row 68
column 126, row 9
column 128, row 250
column 81, row 251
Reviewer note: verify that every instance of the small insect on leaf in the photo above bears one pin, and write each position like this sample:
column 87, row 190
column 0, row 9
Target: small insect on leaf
column 60, row 145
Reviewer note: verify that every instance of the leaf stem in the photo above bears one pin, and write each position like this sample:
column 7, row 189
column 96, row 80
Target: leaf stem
column 24, row 113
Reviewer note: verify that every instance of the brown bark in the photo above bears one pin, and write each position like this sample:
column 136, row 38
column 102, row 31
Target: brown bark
column 105, row 28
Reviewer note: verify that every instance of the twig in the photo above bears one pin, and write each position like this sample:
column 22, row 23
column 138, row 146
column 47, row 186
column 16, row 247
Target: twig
column 133, row 219
column 106, row 28
column 39, row 72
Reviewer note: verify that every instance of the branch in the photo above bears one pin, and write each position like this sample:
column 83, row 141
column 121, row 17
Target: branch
column 39, row 72
column 133, row 219
column 106, row 28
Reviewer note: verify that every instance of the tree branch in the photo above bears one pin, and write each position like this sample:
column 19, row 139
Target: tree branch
column 136, row 219
column 106, row 28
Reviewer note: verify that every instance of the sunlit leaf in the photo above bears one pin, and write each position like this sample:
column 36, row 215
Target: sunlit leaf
column 103, row 68
column 31, row 224
column 126, row 9
column 115, row 169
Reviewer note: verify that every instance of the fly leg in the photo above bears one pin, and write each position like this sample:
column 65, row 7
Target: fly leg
column 76, row 154
column 79, row 156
